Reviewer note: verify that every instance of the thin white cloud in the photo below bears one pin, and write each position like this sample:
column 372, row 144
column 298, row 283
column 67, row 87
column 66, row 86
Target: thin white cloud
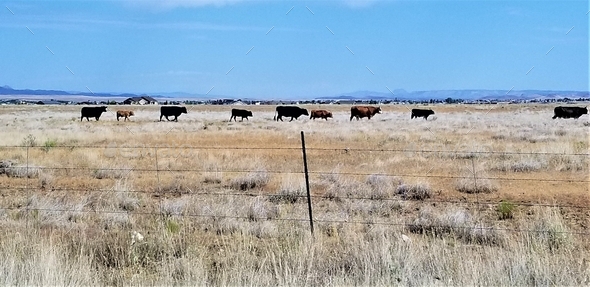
column 359, row 3
column 171, row 4
column 87, row 23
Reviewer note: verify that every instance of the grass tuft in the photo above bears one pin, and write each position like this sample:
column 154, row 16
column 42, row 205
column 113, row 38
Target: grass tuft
column 257, row 179
column 112, row 173
column 478, row 183
column 457, row 223
column 419, row 191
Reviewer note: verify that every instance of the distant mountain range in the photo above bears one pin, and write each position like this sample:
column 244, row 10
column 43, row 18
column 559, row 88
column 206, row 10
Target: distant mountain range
column 8, row 91
column 399, row 94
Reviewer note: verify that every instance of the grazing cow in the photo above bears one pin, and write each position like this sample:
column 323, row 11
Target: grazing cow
column 289, row 111
column 359, row 112
column 124, row 114
column 416, row 113
column 321, row 114
column 569, row 112
column 240, row 113
column 92, row 112
column 167, row 111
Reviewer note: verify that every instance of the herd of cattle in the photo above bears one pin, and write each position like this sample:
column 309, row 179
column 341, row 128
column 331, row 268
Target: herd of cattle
column 295, row 112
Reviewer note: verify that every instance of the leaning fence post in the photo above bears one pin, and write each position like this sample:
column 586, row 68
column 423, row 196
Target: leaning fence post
column 307, row 182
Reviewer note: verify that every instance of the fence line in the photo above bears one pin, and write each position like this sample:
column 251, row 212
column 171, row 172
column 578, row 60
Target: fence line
column 159, row 170
column 343, row 149
column 328, row 197
column 520, row 230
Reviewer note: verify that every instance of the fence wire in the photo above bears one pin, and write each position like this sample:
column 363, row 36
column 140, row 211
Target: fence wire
column 29, row 188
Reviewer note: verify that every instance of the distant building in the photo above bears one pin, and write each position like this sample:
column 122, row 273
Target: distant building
column 143, row 100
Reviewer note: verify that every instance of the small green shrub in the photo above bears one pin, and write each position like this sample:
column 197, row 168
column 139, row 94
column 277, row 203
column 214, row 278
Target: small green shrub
column 506, row 210
column 172, row 226
column 48, row 144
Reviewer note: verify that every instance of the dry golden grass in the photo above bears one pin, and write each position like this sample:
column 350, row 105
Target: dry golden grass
column 397, row 201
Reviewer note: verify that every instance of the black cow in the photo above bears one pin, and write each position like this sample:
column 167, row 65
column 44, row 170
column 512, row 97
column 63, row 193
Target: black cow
column 289, row 111
column 92, row 112
column 569, row 112
column 240, row 113
column 416, row 113
column 166, row 111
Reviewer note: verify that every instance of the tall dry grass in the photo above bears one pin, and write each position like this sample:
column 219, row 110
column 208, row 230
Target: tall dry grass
column 396, row 201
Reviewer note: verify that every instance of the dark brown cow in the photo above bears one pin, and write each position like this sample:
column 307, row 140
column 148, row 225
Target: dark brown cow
column 235, row 113
column 124, row 114
column 320, row 114
column 569, row 112
column 92, row 112
column 359, row 112
column 416, row 113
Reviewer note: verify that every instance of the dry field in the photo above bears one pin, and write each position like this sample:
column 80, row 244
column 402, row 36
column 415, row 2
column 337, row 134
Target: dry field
column 475, row 195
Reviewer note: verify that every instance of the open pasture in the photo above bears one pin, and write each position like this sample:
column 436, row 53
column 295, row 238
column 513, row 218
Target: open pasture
column 396, row 200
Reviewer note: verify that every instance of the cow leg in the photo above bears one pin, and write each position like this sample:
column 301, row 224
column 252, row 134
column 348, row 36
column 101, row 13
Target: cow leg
column 166, row 117
column 175, row 118
column 97, row 118
column 351, row 117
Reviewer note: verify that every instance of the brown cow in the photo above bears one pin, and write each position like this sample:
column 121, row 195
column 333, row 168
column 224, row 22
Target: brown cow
column 321, row 114
column 125, row 114
column 359, row 112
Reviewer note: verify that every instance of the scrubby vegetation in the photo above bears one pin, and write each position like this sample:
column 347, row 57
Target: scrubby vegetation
column 463, row 200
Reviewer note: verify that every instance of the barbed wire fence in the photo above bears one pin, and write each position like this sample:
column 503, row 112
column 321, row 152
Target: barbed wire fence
column 28, row 171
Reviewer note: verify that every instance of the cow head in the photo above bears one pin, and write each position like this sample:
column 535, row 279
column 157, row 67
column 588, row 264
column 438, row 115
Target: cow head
column 103, row 109
column 131, row 113
column 183, row 110
column 249, row 113
column 378, row 110
column 329, row 114
column 304, row 111
column 584, row 110
column 430, row 112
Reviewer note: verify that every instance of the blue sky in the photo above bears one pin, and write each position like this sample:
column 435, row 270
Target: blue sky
column 293, row 49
